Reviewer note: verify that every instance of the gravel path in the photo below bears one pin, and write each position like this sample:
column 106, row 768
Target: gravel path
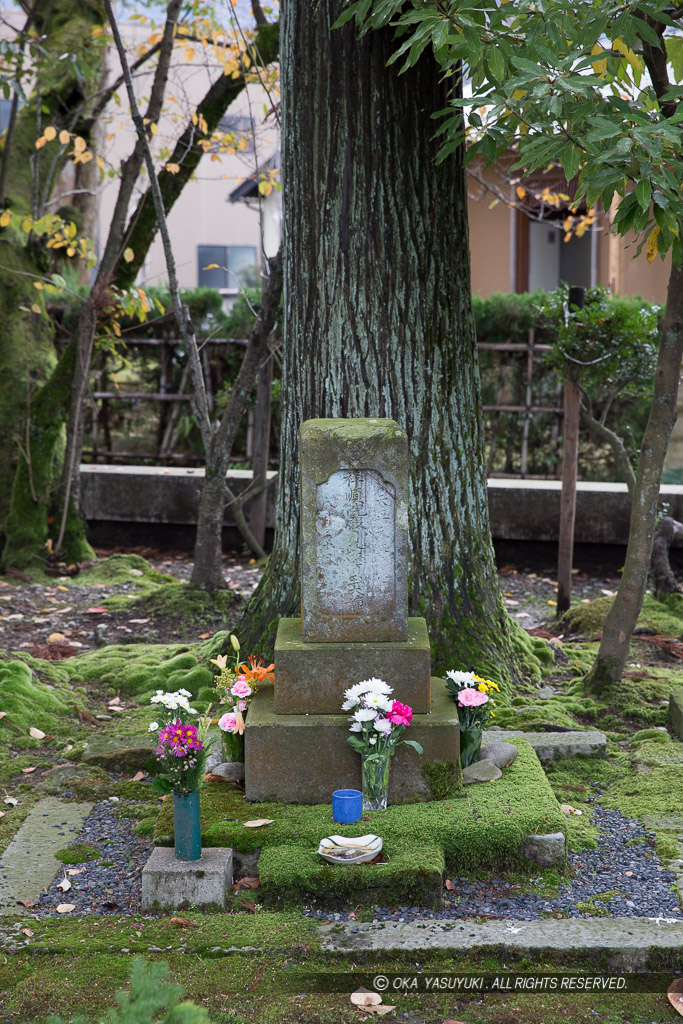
column 111, row 885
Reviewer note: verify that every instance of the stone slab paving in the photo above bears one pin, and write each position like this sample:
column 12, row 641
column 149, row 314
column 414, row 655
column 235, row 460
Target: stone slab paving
column 628, row 940
column 28, row 866
column 557, row 746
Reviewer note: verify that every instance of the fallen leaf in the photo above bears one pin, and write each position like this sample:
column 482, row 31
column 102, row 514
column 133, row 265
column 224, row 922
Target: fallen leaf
column 568, row 809
column 451, row 1021
column 138, row 777
column 64, row 885
column 27, row 903
column 361, row 997
column 204, row 636
column 136, row 572
column 449, row 885
column 247, row 883
column 256, row 823
column 2, row 814
column 96, row 611
column 674, row 994
column 37, row 734
column 11, row 800
column 379, row 1011
column 60, row 587
column 27, row 771
column 68, row 747
column 27, row 931
column 75, row 871
column 115, row 700
column 56, row 638
column 65, row 908
column 137, row 622
column 3, row 714
column 181, row 922
column 628, row 874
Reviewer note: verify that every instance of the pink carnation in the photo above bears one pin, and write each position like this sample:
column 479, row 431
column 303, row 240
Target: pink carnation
column 470, row 698
column 400, row 714
column 241, row 688
column 228, row 722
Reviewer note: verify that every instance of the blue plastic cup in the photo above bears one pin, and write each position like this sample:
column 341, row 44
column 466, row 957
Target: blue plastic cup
column 347, row 806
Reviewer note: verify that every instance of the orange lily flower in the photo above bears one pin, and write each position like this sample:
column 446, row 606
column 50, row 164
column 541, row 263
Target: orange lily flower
column 256, row 671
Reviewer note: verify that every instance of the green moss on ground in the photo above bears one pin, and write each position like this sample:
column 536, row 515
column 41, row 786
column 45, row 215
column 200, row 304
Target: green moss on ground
column 119, row 569
column 484, row 828
column 442, row 777
column 142, row 668
column 78, row 853
column 28, row 703
column 185, row 605
column 665, row 617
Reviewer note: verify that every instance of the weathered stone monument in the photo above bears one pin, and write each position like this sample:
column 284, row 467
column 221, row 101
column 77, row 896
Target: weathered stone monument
column 354, row 625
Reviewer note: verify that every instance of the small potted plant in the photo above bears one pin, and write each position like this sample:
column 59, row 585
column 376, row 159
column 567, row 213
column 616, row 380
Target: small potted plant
column 236, row 687
column 377, row 724
column 471, row 695
column 181, row 752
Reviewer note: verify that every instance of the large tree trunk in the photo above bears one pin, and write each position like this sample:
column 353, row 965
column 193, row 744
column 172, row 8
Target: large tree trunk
column 27, row 357
column 378, row 322
column 623, row 615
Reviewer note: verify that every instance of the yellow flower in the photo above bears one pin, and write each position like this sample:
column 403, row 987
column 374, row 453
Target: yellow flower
column 483, row 687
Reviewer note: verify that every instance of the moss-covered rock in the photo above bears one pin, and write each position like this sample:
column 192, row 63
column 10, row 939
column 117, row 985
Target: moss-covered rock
column 121, row 753
column 83, row 782
column 142, row 668
column 118, row 569
column 185, row 604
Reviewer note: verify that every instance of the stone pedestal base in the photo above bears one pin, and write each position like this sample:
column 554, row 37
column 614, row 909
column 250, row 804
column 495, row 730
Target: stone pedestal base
column 311, row 678
column 169, row 883
column 303, row 758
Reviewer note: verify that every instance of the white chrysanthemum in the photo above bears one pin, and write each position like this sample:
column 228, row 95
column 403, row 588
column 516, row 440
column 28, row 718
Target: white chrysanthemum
column 185, row 693
column 364, row 715
column 349, row 703
column 152, row 727
column 378, row 701
column 376, row 685
column 382, row 725
column 461, row 679
column 373, row 740
column 356, row 727
column 193, row 711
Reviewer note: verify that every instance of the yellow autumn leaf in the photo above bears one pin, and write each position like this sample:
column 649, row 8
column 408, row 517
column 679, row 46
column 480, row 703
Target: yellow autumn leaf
column 5, row 218
column 128, row 255
column 50, row 133
column 64, row 137
column 172, row 168
column 651, row 247
column 211, row 266
column 41, row 142
column 154, row 128
column 38, row 285
column 599, row 66
column 189, row 54
column 35, row 308
column 80, row 145
column 71, row 251
column 521, row 192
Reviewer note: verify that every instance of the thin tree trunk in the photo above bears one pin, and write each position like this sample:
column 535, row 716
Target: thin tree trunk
column 618, row 447
column 378, row 321
column 623, row 615
column 207, row 571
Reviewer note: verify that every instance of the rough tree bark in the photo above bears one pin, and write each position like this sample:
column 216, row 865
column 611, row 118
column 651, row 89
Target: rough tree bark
column 378, row 322
column 27, row 354
column 663, row 576
column 623, row 615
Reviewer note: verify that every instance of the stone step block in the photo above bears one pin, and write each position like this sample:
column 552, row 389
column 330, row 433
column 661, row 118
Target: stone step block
column 676, row 712
column 557, row 746
column 304, row 758
column 311, row 678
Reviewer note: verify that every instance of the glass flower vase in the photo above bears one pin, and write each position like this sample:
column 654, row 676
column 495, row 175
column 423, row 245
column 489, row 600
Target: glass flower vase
column 233, row 746
column 375, row 773
column 187, row 835
column 470, row 744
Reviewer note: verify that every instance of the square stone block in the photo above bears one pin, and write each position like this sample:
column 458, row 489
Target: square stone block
column 303, row 758
column 354, row 530
column 169, row 883
column 311, row 678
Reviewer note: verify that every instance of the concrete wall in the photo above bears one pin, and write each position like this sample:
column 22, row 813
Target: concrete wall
column 520, row 509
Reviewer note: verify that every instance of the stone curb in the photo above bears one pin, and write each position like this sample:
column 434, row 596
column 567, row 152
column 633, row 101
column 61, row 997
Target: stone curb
column 557, row 746
column 627, row 943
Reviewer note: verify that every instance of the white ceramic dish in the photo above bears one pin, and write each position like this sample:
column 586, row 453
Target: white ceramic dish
column 350, row 850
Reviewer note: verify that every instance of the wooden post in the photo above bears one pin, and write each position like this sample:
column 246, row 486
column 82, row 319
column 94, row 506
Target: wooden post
column 570, row 456
column 257, row 507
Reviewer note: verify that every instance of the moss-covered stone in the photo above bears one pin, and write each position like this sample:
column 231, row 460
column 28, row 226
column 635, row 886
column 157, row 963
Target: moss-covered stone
column 27, row 703
column 121, row 753
column 444, row 778
column 676, row 712
column 185, row 604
